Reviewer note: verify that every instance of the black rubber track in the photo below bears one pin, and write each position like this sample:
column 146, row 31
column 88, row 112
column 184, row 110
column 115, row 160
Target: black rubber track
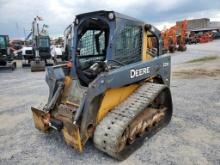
column 111, row 128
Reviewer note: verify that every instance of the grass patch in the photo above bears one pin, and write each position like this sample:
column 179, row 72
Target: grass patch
column 203, row 59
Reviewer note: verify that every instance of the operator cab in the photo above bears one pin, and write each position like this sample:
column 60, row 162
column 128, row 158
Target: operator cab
column 106, row 40
column 44, row 47
column 92, row 43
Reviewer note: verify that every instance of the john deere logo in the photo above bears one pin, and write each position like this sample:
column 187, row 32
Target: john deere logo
column 139, row 72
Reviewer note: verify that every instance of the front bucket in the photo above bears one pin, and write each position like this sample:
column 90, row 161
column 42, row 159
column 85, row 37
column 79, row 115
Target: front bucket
column 40, row 118
column 72, row 135
column 37, row 66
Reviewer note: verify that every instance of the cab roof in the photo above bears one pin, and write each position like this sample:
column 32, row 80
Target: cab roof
column 105, row 13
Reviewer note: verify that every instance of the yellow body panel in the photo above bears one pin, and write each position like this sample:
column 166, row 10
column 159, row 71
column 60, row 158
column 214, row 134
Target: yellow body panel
column 67, row 85
column 147, row 43
column 72, row 136
column 112, row 98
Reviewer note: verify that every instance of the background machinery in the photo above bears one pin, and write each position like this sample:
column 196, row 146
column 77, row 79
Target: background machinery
column 169, row 40
column 61, row 47
column 6, row 56
column 115, row 90
column 16, row 48
column 57, row 49
column 174, row 38
column 37, row 59
column 181, row 35
column 200, row 36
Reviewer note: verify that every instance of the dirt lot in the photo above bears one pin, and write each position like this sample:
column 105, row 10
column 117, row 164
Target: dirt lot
column 192, row 137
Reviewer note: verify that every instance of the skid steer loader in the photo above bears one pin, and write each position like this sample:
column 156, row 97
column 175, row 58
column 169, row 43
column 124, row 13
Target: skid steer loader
column 115, row 90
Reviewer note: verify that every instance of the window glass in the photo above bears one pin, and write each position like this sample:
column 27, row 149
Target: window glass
column 44, row 42
column 2, row 42
column 128, row 43
column 92, row 43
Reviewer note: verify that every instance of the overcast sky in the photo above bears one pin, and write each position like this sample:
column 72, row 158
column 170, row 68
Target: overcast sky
column 17, row 15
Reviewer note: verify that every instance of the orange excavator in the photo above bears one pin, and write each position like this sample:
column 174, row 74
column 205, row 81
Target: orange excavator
column 181, row 39
column 174, row 38
column 205, row 37
column 169, row 39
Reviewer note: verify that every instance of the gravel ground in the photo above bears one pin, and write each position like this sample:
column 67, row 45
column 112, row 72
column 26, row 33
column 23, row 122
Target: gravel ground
column 192, row 137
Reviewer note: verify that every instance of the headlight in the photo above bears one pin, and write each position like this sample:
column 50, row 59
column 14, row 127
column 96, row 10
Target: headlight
column 111, row 16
